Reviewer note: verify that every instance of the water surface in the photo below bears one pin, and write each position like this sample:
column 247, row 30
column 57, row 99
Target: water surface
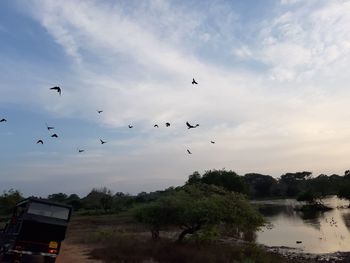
column 320, row 232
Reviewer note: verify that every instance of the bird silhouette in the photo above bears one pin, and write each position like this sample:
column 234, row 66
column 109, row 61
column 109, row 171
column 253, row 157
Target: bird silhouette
column 189, row 151
column 58, row 89
column 54, row 135
column 130, row 126
column 99, row 111
column 212, row 142
column 156, row 126
column 167, row 124
column 81, row 151
column 102, row 142
column 194, row 82
column 191, row 126
column 40, row 141
column 49, row 128
column 3, row 120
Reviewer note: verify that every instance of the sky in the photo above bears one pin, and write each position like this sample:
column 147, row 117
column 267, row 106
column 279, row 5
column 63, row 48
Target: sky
column 272, row 91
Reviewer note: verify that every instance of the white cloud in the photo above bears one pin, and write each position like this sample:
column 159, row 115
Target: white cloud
column 242, row 52
column 151, row 79
column 314, row 38
column 290, row 2
column 137, row 64
column 205, row 37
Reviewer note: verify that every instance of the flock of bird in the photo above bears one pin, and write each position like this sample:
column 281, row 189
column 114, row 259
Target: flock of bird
column 332, row 222
column 54, row 135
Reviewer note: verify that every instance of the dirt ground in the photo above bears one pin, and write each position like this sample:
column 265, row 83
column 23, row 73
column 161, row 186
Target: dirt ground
column 74, row 253
column 76, row 247
column 73, row 250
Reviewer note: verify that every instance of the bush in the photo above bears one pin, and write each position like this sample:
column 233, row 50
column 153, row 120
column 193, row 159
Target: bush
column 308, row 196
column 8, row 200
column 136, row 250
column 197, row 207
column 344, row 190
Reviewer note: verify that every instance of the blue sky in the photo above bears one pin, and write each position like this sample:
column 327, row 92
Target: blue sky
column 273, row 91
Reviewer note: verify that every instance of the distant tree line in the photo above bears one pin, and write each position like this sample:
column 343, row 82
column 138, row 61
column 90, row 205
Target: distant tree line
column 289, row 185
column 299, row 185
column 98, row 201
column 207, row 207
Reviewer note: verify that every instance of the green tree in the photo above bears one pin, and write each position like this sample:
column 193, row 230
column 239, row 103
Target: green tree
column 194, row 178
column 260, row 185
column 309, row 196
column 321, row 185
column 99, row 198
column 142, row 197
column 197, row 207
column 122, row 202
column 347, row 174
column 75, row 201
column 314, row 200
column 106, row 199
column 156, row 215
column 228, row 180
column 8, row 200
column 344, row 190
column 295, row 182
column 58, row 197
column 335, row 182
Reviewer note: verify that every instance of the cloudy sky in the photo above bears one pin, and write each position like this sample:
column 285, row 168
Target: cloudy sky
column 273, row 91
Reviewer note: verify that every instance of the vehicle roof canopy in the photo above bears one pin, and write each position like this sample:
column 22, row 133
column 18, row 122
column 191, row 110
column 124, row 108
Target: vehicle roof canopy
column 42, row 201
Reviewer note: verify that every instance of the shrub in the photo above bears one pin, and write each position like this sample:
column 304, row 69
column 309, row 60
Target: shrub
column 197, row 207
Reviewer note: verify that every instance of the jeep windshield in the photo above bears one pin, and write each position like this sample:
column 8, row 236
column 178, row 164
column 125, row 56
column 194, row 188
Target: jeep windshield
column 48, row 211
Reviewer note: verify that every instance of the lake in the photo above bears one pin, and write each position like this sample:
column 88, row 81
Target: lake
column 321, row 232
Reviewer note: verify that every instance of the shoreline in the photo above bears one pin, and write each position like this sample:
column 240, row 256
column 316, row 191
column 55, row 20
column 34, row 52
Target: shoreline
column 298, row 255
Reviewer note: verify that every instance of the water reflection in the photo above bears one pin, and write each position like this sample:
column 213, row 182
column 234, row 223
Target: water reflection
column 320, row 232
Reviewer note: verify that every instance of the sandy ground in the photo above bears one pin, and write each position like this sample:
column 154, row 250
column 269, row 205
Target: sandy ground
column 73, row 253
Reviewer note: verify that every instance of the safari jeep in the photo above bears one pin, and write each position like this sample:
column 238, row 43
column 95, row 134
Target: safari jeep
column 36, row 230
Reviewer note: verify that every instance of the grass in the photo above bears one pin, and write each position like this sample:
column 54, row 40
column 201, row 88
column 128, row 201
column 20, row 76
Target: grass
column 118, row 238
column 142, row 250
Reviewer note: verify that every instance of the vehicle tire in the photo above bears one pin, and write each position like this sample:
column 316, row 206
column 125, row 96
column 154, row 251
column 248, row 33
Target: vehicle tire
column 49, row 260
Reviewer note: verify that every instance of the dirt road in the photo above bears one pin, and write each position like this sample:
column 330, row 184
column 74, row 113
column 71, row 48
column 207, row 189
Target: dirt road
column 73, row 253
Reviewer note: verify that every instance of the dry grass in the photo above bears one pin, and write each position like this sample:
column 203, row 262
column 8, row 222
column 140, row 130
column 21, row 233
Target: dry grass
column 118, row 238
column 136, row 250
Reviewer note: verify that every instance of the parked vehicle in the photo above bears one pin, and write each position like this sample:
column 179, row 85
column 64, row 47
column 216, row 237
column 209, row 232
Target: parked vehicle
column 36, row 229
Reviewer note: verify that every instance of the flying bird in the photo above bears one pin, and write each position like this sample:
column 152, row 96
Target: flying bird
column 81, row 151
column 167, row 124
column 3, row 120
column 58, row 89
column 212, row 142
column 194, row 82
column 99, row 111
column 49, row 128
column 191, row 126
column 40, row 141
column 54, row 135
column 189, row 151
column 130, row 126
column 102, row 142
column 156, row 126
